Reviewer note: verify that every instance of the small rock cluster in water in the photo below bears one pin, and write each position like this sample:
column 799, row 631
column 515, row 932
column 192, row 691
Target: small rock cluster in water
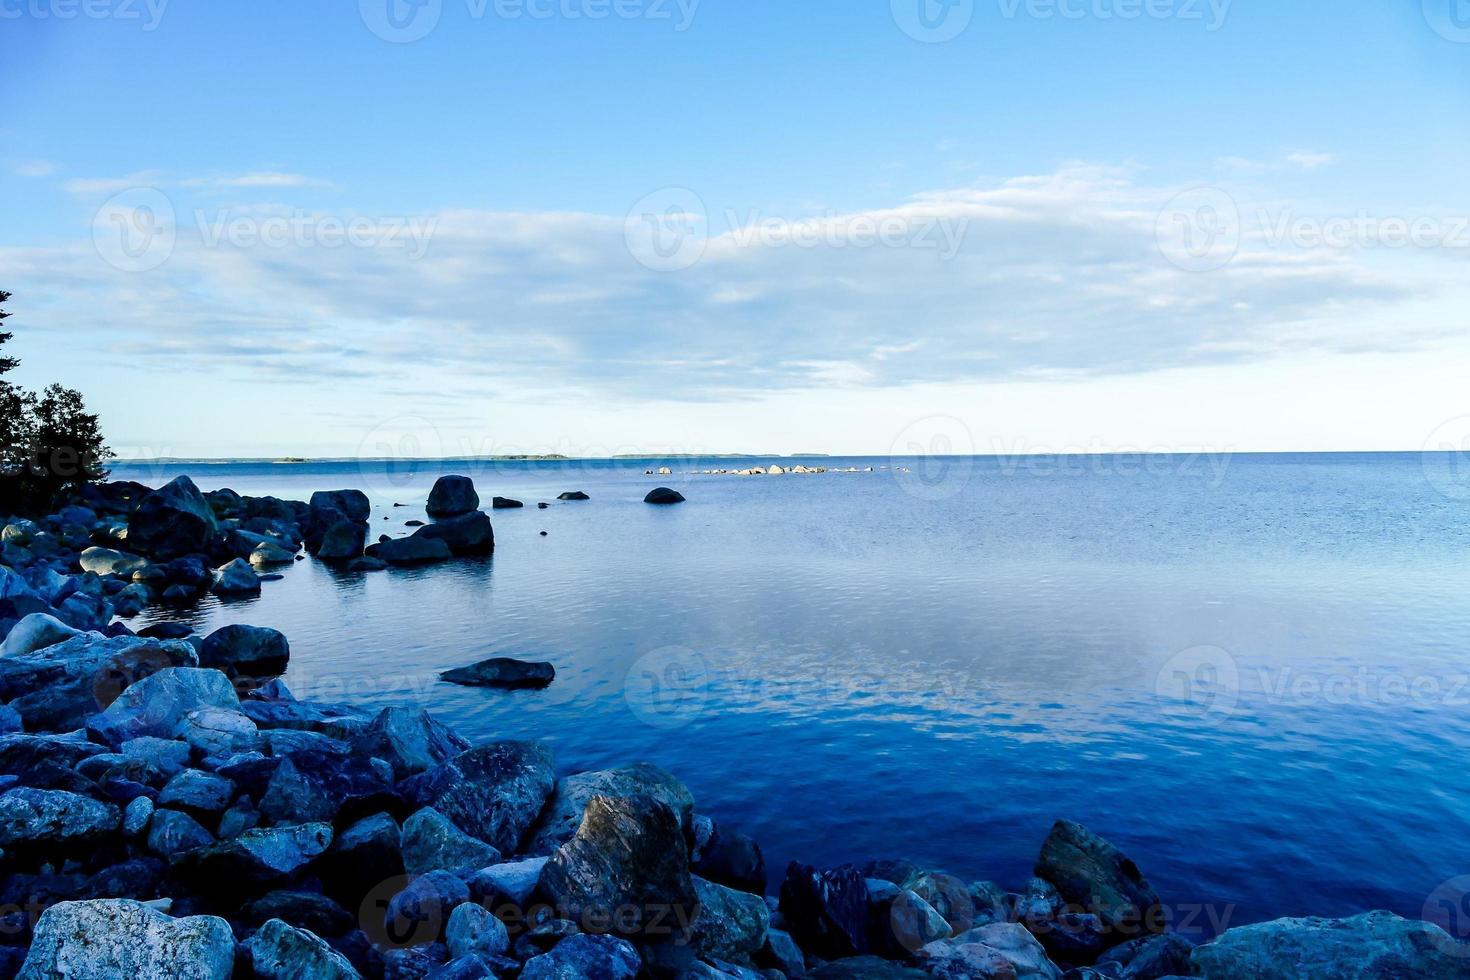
column 169, row 809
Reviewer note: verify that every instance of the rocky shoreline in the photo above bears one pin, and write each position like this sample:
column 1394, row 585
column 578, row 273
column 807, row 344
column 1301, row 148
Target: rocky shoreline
column 169, row 808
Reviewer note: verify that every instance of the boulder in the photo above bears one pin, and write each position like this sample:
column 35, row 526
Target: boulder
column 999, row 951
column 412, row 550
column 563, row 814
column 361, row 858
column 43, row 818
column 279, row 951
column 271, row 553
column 573, row 495
column 124, row 938
column 826, row 912
column 136, row 816
column 235, row 579
column 663, row 495
column 493, row 792
column 467, row 534
column 431, row 843
column 472, row 931
column 420, row 911
column 1150, row 958
column 246, row 651
column 34, row 632
column 105, row 561
column 343, row 541
column 172, row 833
column 1095, row 877
column 585, row 957
column 157, row 704
column 510, row 883
column 628, row 866
column 502, row 672
column 730, row 924
column 1365, row 947
column 732, row 859
column 351, row 504
column 906, row 923
column 263, row 856
column 58, row 687
column 172, row 521
column 313, row 785
column 199, row 792
column 451, row 496
column 410, row 740
column 218, row 731
column 366, row 564
column 505, row 503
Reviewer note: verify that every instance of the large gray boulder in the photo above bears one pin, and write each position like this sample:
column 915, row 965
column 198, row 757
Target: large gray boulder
column 246, row 651
column 172, row 521
column 1372, row 946
column 431, row 843
column 158, row 704
column 126, row 939
column 493, row 792
column 585, row 957
column 730, row 925
column 1095, row 877
column 628, row 861
column 57, row 687
column 410, row 740
column 452, row 496
column 279, row 951
column 34, row 632
column 53, row 818
column 563, row 814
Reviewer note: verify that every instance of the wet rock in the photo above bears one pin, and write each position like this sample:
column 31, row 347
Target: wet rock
column 431, row 843
column 1365, row 947
column 563, row 814
column 124, row 938
column 246, row 651
column 158, row 704
column 472, row 931
column 1094, row 876
column 308, row 910
column 628, row 857
column 468, row 534
column 410, row 740
column 236, row 579
column 506, row 503
column 257, row 857
column 494, row 792
column 585, row 956
column 172, row 521
column 826, row 911
column 663, row 495
column 34, row 632
column 573, row 495
column 43, row 817
column 502, row 672
column 453, row 495
column 172, row 833
column 1000, row 951
column 730, row 924
column 58, row 687
column 279, row 951
column 509, row 883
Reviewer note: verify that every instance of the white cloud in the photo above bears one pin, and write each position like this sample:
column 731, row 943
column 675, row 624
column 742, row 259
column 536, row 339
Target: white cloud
column 34, row 168
column 1308, row 160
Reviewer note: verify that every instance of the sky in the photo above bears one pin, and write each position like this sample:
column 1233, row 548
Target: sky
column 452, row 227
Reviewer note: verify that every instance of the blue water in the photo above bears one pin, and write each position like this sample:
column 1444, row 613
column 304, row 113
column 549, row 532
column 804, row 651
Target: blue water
column 1249, row 672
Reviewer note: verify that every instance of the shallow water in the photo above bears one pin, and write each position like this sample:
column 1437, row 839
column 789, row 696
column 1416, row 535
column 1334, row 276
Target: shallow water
column 1249, row 672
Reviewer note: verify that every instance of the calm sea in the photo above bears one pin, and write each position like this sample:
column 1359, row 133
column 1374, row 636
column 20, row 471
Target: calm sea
column 1250, row 672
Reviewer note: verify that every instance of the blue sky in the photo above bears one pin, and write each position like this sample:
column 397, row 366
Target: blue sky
column 588, row 226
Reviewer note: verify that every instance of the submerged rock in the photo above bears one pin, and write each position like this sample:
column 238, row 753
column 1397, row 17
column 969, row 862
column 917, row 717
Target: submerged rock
column 123, row 938
column 505, row 503
column 502, row 672
column 663, row 495
column 236, row 578
column 451, row 496
column 1365, row 947
column 573, row 495
column 412, row 550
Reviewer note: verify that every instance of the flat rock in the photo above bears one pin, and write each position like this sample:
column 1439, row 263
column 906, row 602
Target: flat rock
column 106, row 561
column 502, row 672
column 412, row 550
column 573, row 495
column 1372, row 946
column 493, row 792
column 124, row 938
